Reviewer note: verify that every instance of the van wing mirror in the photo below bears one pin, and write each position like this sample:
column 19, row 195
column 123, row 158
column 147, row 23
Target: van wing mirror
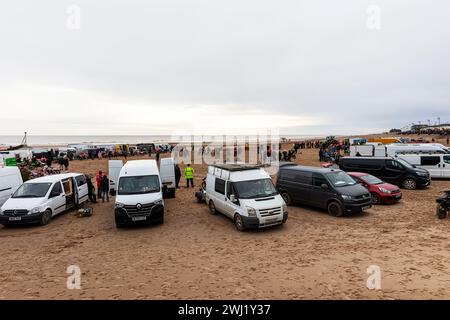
column 324, row 186
column 233, row 198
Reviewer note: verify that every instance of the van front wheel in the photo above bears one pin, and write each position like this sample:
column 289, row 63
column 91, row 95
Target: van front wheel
column 335, row 209
column 409, row 184
column 238, row 222
column 212, row 207
column 287, row 198
column 46, row 217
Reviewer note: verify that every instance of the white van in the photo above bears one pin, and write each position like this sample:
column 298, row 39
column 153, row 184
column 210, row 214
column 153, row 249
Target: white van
column 139, row 196
column 371, row 149
column 38, row 200
column 245, row 194
column 114, row 167
column 10, row 180
column 437, row 164
column 398, row 148
column 167, row 169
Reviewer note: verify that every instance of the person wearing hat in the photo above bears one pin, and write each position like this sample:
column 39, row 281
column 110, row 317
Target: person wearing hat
column 98, row 180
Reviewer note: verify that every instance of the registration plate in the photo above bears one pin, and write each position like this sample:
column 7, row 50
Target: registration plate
column 365, row 208
column 15, row 218
column 271, row 220
column 139, row 218
column 398, row 196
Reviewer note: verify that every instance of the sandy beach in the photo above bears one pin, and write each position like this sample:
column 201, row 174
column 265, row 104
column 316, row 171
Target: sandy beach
column 196, row 255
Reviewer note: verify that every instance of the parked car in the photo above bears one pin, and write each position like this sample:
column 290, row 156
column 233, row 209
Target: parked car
column 330, row 189
column 139, row 197
column 381, row 191
column 395, row 171
column 38, row 200
column 10, row 180
column 245, row 194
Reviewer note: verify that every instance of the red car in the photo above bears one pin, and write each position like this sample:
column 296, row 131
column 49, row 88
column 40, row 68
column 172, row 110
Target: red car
column 381, row 191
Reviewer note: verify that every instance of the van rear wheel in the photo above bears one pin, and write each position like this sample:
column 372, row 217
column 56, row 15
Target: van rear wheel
column 335, row 209
column 409, row 184
column 46, row 217
column 287, row 198
column 212, row 207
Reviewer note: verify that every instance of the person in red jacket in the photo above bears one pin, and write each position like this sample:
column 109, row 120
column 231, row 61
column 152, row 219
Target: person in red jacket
column 98, row 180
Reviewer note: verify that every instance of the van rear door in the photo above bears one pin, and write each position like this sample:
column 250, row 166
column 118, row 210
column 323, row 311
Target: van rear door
column 114, row 171
column 82, row 188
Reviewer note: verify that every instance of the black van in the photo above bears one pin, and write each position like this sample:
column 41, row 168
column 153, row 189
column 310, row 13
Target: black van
column 330, row 189
column 395, row 171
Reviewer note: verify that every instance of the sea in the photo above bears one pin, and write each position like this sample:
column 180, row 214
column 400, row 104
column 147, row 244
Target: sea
column 61, row 141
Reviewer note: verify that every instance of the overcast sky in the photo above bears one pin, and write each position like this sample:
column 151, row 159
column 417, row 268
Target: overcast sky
column 153, row 67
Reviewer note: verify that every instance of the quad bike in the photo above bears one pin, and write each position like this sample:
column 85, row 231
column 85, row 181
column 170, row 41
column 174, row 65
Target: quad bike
column 201, row 194
column 443, row 206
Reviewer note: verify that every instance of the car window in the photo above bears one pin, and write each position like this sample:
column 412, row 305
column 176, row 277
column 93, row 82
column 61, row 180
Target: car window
column 430, row 161
column 447, row 159
column 392, row 164
column 81, row 180
column 319, row 180
column 57, row 189
column 219, row 186
column 303, row 177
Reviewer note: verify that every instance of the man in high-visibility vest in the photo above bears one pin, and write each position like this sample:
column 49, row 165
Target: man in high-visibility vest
column 189, row 175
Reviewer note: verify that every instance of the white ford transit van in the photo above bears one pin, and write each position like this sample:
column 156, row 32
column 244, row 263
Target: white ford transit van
column 245, row 194
column 10, row 180
column 438, row 165
column 38, row 200
column 139, row 194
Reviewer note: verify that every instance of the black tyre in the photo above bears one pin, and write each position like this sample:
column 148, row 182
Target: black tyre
column 212, row 207
column 376, row 199
column 409, row 184
column 441, row 212
column 238, row 222
column 46, row 217
column 287, row 198
column 335, row 209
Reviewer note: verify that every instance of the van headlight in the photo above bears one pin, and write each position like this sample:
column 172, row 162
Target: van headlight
column 422, row 174
column 158, row 202
column 251, row 212
column 35, row 210
column 119, row 205
column 346, row 197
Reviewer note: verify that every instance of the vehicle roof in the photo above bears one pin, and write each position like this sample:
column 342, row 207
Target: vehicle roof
column 8, row 170
column 54, row 177
column 373, row 158
column 139, row 167
column 237, row 167
column 358, row 174
column 310, row 169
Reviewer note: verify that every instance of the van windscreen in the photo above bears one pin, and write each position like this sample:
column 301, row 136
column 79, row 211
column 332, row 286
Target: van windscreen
column 32, row 190
column 255, row 189
column 138, row 185
column 340, row 179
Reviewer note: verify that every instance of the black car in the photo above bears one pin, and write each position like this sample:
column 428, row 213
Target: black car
column 396, row 171
column 330, row 189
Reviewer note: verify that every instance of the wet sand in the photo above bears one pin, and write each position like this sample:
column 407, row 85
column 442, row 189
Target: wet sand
column 196, row 255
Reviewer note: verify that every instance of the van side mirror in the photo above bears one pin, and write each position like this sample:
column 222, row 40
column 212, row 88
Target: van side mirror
column 233, row 198
column 324, row 186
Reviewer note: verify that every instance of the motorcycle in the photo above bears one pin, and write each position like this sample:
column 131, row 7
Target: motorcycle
column 443, row 206
column 201, row 194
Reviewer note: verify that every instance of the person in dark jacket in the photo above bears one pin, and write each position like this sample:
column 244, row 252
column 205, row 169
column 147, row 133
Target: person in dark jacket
column 105, row 188
column 177, row 175
column 91, row 190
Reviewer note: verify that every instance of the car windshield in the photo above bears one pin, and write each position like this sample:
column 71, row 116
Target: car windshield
column 371, row 179
column 405, row 163
column 340, row 179
column 32, row 190
column 139, row 185
column 255, row 189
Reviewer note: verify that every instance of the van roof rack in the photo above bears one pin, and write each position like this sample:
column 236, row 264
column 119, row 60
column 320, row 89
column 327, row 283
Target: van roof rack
column 238, row 167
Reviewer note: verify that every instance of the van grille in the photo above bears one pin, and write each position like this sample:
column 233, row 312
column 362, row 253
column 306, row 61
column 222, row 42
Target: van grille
column 144, row 210
column 270, row 212
column 15, row 213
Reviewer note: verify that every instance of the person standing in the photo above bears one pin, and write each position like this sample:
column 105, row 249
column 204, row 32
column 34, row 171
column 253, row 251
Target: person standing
column 189, row 175
column 91, row 189
column 105, row 188
column 98, row 180
column 177, row 175
column 157, row 155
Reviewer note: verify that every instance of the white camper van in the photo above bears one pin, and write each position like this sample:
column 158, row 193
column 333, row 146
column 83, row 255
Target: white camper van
column 167, row 169
column 437, row 164
column 10, row 180
column 139, row 195
column 246, row 195
column 38, row 200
